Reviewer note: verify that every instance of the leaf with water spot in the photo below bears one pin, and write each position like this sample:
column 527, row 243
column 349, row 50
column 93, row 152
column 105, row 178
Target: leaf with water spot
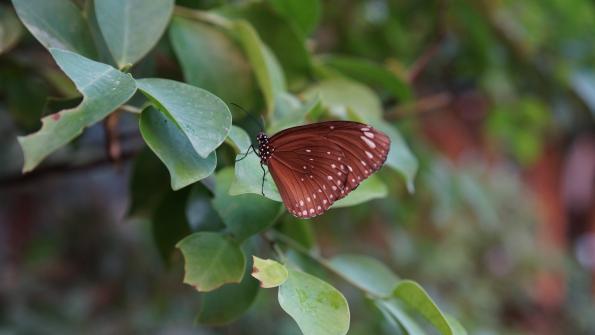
column 57, row 24
column 317, row 307
column 132, row 27
column 203, row 118
column 174, row 149
column 104, row 89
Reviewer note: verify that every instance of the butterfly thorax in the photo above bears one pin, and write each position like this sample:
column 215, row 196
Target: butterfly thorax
column 265, row 150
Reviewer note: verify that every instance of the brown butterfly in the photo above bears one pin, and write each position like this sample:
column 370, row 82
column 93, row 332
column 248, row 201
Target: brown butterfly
column 317, row 164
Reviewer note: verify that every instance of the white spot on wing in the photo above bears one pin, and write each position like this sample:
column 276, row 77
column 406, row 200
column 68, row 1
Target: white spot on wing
column 305, row 213
column 369, row 155
column 369, row 134
column 365, row 129
column 308, row 198
column 368, row 142
column 301, row 202
column 329, row 177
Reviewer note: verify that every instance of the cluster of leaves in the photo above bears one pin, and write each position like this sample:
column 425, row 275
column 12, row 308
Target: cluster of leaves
column 254, row 54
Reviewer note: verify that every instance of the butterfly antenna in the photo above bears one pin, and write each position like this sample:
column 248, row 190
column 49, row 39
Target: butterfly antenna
column 252, row 118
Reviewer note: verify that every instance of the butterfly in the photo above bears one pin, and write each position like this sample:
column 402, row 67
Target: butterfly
column 317, row 164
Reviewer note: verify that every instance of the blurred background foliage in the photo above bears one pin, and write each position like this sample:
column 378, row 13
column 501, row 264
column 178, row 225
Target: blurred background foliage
column 495, row 98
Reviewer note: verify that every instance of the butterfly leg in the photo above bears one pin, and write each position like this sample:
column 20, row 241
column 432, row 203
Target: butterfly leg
column 264, row 174
column 246, row 153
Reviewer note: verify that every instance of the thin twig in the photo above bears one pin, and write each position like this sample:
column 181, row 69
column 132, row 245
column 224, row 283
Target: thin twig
column 112, row 143
column 421, row 106
column 202, row 16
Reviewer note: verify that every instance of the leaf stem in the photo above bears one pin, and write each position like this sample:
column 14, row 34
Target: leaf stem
column 131, row 109
column 203, row 16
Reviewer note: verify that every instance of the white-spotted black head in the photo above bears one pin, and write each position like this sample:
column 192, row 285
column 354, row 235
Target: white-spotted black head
column 264, row 148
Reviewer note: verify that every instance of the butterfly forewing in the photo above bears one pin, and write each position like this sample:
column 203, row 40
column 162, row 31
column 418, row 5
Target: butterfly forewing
column 317, row 164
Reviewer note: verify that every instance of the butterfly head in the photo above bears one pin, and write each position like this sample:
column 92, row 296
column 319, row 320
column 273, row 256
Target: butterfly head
column 264, row 148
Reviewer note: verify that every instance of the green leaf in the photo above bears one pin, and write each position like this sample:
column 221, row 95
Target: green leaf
column 244, row 215
column 400, row 156
column 239, row 139
column 169, row 223
column 269, row 272
column 305, row 14
column 132, row 27
column 366, row 273
column 10, row 29
column 455, row 325
column 211, row 260
column 369, row 189
column 227, row 303
column 104, row 89
column 211, row 60
column 342, row 96
column 317, row 307
column 290, row 112
column 57, row 24
column 398, row 317
column 283, row 38
column 370, row 73
column 174, row 149
column 202, row 117
column 416, row 298
column 248, row 170
column 266, row 67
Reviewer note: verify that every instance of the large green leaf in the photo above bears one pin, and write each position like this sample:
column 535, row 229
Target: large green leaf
column 285, row 40
column 305, row 14
column 174, row 149
column 264, row 64
column 416, row 298
column 203, row 118
column 400, row 156
column 211, row 260
column 317, row 307
column 104, row 89
column 132, row 27
column 269, row 273
column 370, row 73
column 229, row 302
column 366, row 273
column 211, row 60
column 369, row 189
column 343, row 96
column 57, row 24
column 248, row 171
column 10, row 29
column 244, row 215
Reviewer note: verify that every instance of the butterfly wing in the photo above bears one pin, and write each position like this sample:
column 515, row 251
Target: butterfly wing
column 317, row 164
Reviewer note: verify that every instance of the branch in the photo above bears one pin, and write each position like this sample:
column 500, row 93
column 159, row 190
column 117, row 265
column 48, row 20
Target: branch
column 421, row 106
column 14, row 180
